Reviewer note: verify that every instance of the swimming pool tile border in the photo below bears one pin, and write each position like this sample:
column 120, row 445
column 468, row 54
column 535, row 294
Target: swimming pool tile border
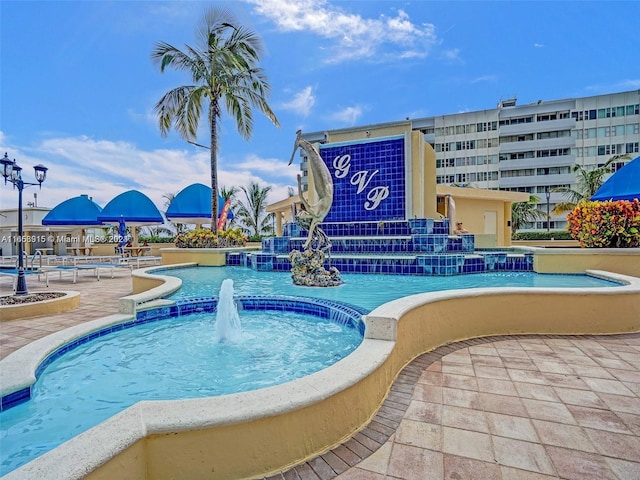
column 338, row 312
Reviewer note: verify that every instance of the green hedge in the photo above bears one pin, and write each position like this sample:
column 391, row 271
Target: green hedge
column 555, row 234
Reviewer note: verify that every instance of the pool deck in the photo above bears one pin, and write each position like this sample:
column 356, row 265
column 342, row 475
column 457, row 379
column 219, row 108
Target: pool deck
column 513, row 407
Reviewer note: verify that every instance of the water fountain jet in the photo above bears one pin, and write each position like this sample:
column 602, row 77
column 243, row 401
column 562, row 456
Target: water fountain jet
column 228, row 327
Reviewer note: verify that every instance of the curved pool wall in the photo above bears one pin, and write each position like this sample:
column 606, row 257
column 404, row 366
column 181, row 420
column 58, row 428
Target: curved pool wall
column 258, row 433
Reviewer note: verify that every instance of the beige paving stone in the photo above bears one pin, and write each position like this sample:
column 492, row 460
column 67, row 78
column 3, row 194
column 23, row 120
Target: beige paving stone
column 464, row 418
column 419, row 434
column 431, row 378
column 616, row 445
column 626, row 375
column 562, row 435
column 576, row 465
column 585, row 398
column 499, row 387
column 614, row 363
column 428, row 393
column 458, row 468
column 623, row 468
column 509, row 473
column 459, row 356
column 631, row 421
column 463, row 382
column 550, row 411
column 499, row 373
column 553, row 367
column 608, row 386
column 536, row 392
column 592, row 371
column 511, row 427
column 413, row 463
column 378, row 461
column 621, row 403
column 502, row 404
column 598, row 419
column 466, row 443
column 424, row 412
column 522, row 455
column 483, row 350
column 358, row 473
column 461, row 398
column 458, row 368
column 486, row 361
column 527, row 376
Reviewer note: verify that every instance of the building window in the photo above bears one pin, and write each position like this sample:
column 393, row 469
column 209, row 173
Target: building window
column 632, row 147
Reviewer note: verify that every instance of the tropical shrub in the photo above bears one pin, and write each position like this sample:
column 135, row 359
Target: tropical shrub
column 205, row 238
column 614, row 224
column 552, row 234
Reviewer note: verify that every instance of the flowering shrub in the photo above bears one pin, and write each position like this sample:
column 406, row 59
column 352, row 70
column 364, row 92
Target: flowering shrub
column 606, row 224
column 205, row 238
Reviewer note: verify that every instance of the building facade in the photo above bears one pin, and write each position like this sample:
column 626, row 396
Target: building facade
column 532, row 148
column 527, row 148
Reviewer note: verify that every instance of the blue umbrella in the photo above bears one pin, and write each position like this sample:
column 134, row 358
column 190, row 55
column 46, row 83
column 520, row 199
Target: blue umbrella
column 622, row 185
column 122, row 232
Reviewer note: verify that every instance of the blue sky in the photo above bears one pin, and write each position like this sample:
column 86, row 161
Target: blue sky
column 78, row 87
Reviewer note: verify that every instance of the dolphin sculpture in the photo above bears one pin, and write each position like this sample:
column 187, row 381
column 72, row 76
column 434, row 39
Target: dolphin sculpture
column 311, row 216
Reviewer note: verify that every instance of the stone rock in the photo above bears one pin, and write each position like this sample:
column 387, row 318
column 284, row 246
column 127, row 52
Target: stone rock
column 307, row 269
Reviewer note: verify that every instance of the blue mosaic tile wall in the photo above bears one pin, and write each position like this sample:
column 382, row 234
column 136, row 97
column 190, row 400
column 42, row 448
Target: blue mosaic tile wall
column 368, row 178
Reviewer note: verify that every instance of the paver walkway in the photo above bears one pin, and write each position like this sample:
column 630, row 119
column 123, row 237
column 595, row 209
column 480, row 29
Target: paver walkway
column 512, row 408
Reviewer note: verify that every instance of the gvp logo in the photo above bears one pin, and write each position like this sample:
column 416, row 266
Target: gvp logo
column 361, row 180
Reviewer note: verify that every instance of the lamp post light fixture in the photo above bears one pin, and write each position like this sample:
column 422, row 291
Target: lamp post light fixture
column 548, row 194
column 13, row 172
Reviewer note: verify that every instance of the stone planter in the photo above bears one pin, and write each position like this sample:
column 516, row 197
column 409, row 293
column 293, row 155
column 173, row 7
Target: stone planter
column 66, row 302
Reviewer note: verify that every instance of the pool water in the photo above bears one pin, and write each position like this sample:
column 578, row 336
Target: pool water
column 366, row 291
column 168, row 359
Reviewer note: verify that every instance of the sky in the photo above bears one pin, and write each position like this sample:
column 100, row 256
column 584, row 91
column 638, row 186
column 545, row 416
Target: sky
column 78, row 86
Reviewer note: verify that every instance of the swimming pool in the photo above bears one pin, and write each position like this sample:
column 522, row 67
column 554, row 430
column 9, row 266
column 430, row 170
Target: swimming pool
column 366, row 291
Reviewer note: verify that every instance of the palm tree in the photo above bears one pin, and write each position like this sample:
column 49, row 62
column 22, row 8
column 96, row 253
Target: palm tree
column 252, row 212
column 229, row 194
column 588, row 181
column 525, row 212
column 224, row 71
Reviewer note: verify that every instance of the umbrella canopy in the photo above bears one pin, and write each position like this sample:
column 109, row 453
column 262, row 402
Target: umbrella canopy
column 122, row 232
column 622, row 185
column 193, row 205
column 78, row 211
column 134, row 207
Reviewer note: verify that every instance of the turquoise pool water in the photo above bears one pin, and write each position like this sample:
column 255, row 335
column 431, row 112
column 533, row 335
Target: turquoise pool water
column 366, row 291
column 169, row 359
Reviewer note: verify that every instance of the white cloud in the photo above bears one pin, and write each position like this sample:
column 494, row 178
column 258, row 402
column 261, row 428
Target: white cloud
column 272, row 166
column 538, row 45
column 103, row 169
column 355, row 37
column 452, row 55
column 484, row 78
column 348, row 115
column 301, row 103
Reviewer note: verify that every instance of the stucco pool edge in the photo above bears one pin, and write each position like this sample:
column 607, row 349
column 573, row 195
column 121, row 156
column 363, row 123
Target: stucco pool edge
column 158, row 437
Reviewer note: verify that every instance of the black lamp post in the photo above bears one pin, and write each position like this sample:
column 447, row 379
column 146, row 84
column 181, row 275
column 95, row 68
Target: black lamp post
column 548, row 194
column 13, row 172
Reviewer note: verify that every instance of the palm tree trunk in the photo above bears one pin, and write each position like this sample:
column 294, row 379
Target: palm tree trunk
column 213, row 151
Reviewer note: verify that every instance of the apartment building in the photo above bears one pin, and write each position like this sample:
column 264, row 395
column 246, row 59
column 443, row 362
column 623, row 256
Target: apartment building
column 528, row 148
column 532, row 148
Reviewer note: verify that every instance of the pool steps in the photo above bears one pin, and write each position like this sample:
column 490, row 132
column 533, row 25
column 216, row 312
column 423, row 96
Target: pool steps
column 414, row 247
